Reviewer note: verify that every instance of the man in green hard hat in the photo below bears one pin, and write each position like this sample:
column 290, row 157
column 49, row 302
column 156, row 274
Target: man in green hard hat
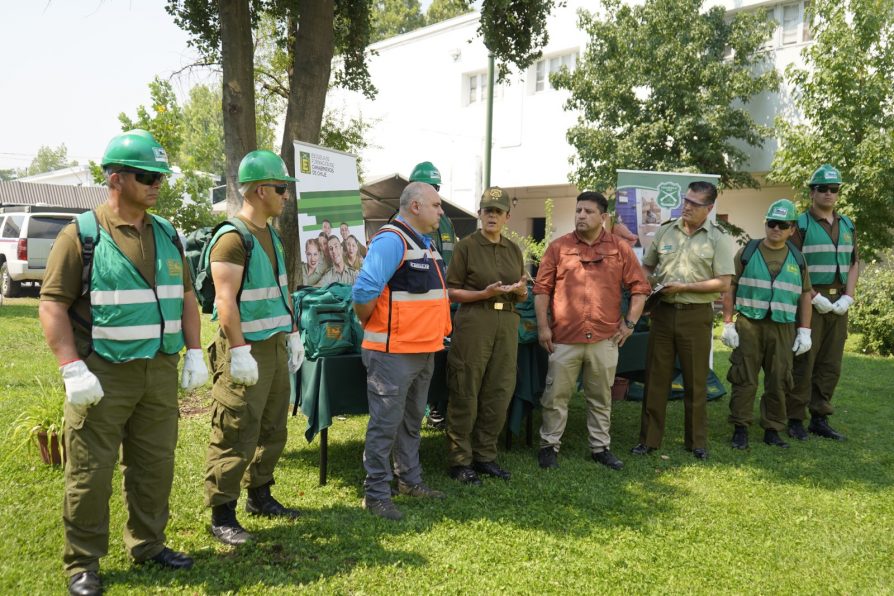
column 117, row 307
column 828, row 240
column 256, row 350
column 770, row 291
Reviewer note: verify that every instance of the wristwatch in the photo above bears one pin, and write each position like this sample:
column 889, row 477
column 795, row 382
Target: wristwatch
column 630, row 324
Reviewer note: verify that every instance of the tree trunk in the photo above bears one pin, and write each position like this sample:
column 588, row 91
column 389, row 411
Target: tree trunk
column 237, row 56
column 314, row 45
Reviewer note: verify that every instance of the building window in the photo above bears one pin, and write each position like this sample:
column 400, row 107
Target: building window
column 476, row 88
column 791, row 24
column 548, row 66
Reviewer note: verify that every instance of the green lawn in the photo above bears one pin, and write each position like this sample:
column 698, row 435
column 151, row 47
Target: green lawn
column 817, row 518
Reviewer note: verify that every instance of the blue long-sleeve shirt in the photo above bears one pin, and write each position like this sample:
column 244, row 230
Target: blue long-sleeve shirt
column 383, row 258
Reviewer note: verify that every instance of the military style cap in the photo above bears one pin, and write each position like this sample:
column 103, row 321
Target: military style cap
column 495, row 197
column 782, row 210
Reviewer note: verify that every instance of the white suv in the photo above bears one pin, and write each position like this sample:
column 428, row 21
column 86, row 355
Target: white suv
column 26, row 236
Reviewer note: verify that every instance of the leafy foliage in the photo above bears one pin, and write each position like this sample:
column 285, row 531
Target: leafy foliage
column 49, row 159
column 163, row 118
column 348, row 136
column 393, row 17
column 532, row 250
column 514, row 31
column 655, row 91
column 872, row 314
column 844, row 104
column 441, row 10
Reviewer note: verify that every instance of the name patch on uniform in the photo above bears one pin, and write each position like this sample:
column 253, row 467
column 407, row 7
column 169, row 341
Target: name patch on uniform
column 792, row 268
column 419, row 266
column 174, row 267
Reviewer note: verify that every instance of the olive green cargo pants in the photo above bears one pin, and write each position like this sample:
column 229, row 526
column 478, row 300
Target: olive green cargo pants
column 817, row 371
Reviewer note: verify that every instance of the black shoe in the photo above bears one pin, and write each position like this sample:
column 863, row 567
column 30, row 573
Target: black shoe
column 547, row 457
column 641, row 449
column 261, row 502
column 771, row 437
column 465, row 474
column 490, row 468
column 85, row 583
column 740, row 437
column 700, row 453
column 607, row 458
column 170, row 559
column 796, row 430
column 225, row 527
column 819, row 425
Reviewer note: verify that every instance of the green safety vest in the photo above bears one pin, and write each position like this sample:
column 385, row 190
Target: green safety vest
column 758, row 292
column 130, row 318
column 825, row 258
column 264, row 296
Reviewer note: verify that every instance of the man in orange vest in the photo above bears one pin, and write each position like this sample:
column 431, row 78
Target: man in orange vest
column 400, row 297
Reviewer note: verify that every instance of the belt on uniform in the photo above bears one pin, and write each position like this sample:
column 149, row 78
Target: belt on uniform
column 686, row 306
column 830, row 291
column 493, row 305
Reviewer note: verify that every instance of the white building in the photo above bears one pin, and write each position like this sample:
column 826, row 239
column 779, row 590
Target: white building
column 431, row 106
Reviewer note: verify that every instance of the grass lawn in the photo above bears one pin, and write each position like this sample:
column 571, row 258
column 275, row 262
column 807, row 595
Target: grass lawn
column 817, row 518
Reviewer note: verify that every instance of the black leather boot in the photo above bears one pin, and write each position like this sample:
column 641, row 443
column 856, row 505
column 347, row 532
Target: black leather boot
column 225, row 527
column 261, row 502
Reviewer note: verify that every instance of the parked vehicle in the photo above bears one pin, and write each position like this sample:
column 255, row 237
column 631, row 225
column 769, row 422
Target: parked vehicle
column 26, row 235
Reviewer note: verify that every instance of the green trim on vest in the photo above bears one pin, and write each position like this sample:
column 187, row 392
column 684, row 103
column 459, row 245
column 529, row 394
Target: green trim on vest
column 758, row 292
column 130, row 318
column 264, row 296
column 827, row 261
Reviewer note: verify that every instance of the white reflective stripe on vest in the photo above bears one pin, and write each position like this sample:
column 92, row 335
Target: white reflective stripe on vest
column 787, row 286
column 413, row 254
column 408, row 297
column 754, row 283
column 260, row 294
column 173, row 326
column 130, row 333
column 284, row 280
column 119, row 297
column 170, row 291
column 264, row 324
column 763, row 304
column 818, row 248
column 375, row 337
column 782, row 307
column 825, row 268
column 447, row 246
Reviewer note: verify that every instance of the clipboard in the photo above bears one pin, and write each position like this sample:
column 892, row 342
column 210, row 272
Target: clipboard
column 653, row 299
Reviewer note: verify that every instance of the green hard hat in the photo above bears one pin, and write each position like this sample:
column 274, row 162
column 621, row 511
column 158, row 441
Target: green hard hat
column 825, row 174
column 426, row 172
column 136, row 148
column 782, row 210
column 263, row 165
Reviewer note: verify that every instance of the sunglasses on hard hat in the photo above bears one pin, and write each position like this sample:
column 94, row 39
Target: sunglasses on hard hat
column 775, row 223
column 144, row 177
column 832, row 188
column 279, row 188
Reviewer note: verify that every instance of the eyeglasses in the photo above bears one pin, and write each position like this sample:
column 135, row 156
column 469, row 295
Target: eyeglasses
column 144, row 177
column 827, row 188
column 775, row 223
column 279, row 188
column 696, row 203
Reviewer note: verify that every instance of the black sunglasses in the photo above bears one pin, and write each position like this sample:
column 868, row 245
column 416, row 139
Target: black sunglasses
column 437, row 187
column 144, row 177
column 775, row 223
column 279, row 188
column 827, row 188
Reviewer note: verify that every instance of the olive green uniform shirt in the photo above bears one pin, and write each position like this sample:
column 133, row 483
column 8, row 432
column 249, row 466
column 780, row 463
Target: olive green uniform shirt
column 229, row 248
column 477, row 263
column 774, row 258
column 677, row 256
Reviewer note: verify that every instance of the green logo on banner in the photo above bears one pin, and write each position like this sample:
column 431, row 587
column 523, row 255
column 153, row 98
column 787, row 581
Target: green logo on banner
column 305, row 162
column 668, row 195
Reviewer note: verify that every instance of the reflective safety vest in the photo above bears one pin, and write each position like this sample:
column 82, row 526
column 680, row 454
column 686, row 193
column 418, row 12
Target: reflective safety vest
column 758, row 292
column 827, row 261
column 132, row 319
column 263, row 298
column 412, row 315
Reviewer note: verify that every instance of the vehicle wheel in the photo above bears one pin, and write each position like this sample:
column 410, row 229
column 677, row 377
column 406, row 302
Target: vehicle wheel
column 9, row 287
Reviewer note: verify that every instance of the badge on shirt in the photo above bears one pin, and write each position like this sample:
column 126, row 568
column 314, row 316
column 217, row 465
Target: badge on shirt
column 419, row 266
column 792, row 268
column 175, row 267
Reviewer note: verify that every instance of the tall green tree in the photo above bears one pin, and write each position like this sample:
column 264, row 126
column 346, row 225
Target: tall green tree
column 441, row 10
column 163, row 118
column 393, row 17
column 664, row 86
column 844, row 113
column 49, row 159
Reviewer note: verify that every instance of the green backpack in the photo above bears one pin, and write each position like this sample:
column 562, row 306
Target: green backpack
column 527, row 322
column 326, row 319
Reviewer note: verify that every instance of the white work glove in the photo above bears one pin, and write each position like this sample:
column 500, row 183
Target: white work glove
column 82, row 388
column 803, row 343
column 195, row 373
column 730, row 337
column 842, row 304
column 243, row 367
column 821, row 304
column 296, row 352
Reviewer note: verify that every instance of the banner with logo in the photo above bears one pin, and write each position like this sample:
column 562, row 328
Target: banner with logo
column 330, row 217
column 646, row 199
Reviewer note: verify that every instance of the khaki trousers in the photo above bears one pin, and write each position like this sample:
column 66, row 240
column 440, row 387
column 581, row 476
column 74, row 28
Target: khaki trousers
column 598, row 362
column 138, row 416
column 817, row 371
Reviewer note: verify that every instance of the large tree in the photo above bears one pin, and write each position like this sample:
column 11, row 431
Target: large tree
column 664, row 86
column 844, row 113
column 393, row 17
column 441, row 10
column 49, row 159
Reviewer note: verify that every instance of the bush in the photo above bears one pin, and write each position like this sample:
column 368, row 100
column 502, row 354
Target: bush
column 873, row 312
